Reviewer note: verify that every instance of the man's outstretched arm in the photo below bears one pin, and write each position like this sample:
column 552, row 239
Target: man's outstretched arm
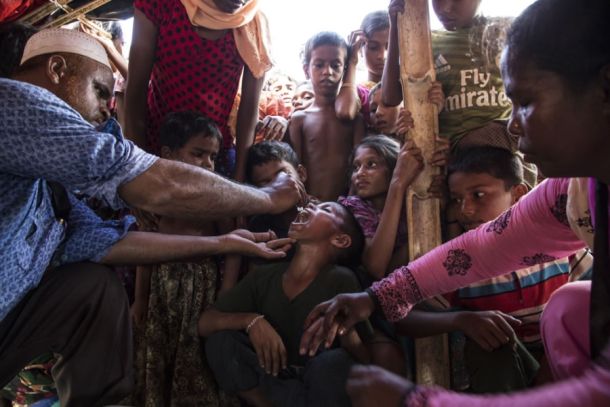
column 170, row 188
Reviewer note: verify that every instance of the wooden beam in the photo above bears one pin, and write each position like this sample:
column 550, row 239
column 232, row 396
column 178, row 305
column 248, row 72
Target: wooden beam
column 423, row 213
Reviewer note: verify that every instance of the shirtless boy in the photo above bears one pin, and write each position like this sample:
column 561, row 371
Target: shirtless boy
column 321, row 140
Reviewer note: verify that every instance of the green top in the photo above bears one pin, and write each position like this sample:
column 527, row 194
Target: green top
column 261, row 292
column 473, row 88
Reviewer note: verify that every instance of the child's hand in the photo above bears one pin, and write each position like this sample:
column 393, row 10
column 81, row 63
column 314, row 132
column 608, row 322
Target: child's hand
column 440, row 157
column 265, row 244
column 436, row 95
column 437, row 188
column 269, row 347
column 404, row 123
column 409, row 165
column 395, row 7
column 139, row 311
column 489, row 329
column 271, row 128
column 355, row 41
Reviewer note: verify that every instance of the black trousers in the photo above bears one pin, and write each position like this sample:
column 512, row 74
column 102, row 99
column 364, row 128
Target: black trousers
column 79, row 312
column 320, row 383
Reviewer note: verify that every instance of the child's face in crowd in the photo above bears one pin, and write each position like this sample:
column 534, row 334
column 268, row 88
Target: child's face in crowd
column 303, row 98
column 264, row 174
column 199, row 150
column 455, row 14
column 480, row 197
column 325, row 69
column 370, row 174
column 284, row 88
column 318, row 222
column 383, row 118
column 375, row 50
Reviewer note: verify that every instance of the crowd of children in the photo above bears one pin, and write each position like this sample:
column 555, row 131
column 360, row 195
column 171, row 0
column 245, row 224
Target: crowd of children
column 220, row 331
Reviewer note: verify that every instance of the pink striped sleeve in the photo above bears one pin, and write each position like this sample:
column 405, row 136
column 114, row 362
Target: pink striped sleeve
column 535, row 230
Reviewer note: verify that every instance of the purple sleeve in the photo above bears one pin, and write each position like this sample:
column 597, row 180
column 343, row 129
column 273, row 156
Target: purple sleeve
column 365, row 214
column 533, row 231
column 591, row 389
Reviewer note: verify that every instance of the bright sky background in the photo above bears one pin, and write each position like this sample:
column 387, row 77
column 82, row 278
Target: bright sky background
column 294, row 21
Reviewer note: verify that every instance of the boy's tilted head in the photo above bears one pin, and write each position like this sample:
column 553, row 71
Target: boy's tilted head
column 191, row 138
column 303, row 96
column 267, row 159
column 484, row 182
column 332, row 226
column 324, row 61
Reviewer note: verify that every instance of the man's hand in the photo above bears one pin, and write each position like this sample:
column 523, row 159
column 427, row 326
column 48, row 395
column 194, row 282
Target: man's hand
column 265, row 244
column 372, row 386
column 336, row 316
column 269, row 347
column 489, row 329
column 285, row 193
column 272, row 128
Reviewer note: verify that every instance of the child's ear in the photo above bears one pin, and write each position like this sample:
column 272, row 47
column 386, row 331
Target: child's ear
column 302, row 171
column 166, row 153
column 306, row 71
column 518, row 191
column 341, row 241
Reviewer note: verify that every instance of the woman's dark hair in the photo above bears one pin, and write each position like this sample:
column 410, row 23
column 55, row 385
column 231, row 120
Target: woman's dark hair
column 320, row 39
column 497, row 162
column 13, row 37
column 385, row 146
column 179, row 127
column 570, row 38
column 375, row 21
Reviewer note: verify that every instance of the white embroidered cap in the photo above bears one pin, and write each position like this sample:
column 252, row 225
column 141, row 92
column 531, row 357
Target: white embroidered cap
column 54, row 40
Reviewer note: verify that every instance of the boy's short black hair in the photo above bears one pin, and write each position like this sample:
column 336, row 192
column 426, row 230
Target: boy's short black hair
column 497, row 162
column 320, row 39
column 179, row 127
column 266, row 151
column 350, row 256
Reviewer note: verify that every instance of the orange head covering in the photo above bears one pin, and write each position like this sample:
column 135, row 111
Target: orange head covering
column 250, row 29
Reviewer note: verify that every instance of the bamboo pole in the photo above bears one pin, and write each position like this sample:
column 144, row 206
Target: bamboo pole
column 423, row 213
column 76, row 14
column 42, row 12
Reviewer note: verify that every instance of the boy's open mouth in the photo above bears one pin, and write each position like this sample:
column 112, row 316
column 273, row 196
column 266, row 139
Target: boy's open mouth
column 302, row 217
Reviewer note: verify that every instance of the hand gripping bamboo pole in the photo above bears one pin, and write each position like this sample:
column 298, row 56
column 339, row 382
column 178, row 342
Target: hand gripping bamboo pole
column 423, row 213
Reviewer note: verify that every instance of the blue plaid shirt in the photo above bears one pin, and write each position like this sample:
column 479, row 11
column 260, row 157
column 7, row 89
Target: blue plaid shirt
column 45, row 139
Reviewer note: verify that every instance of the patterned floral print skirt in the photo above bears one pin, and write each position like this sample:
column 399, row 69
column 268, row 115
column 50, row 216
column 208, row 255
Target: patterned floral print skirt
column 170, row 361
